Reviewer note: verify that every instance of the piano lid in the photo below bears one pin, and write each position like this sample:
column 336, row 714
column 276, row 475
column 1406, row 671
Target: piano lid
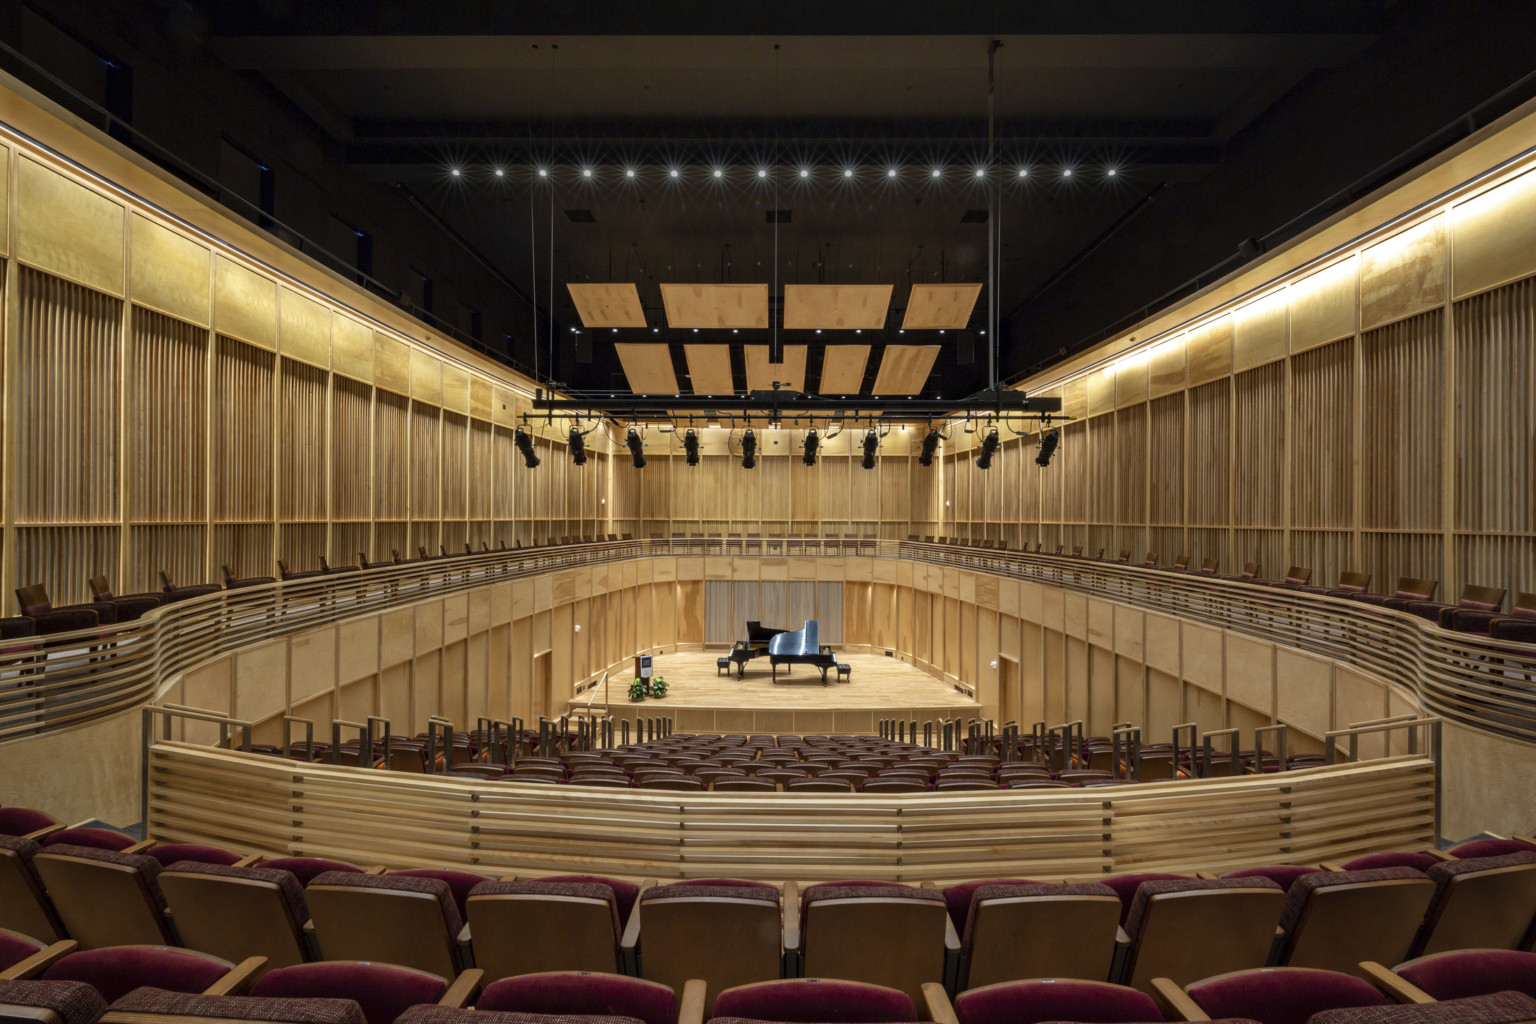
column 797, row 643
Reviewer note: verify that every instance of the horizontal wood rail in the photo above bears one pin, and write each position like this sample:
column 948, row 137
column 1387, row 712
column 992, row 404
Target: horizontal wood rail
column 62, row 680
column 270, row 805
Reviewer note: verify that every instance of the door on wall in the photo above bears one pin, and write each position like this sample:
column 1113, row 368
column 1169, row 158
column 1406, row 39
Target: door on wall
column 1007, row 689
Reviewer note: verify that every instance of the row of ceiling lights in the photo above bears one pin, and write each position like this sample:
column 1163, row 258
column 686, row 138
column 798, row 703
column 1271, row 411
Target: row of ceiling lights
column 803, row 172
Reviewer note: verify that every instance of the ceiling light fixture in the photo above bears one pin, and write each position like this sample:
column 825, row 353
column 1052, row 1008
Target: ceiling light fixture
column 500, row 173
column 455, row 172
column 891, row 173
column 586, row 172
column 543, row 172
column 1023, row 172
column 848, row 172
column 981, row 172
column 805, row 172
column 937, row 172
column 1066, row 172
column 629, row 172
column 762, row 172
column 673, row 172
column 719, row 173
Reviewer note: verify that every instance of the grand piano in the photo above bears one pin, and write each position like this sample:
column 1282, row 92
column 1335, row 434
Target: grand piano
column 755, row 645
column 801, row 647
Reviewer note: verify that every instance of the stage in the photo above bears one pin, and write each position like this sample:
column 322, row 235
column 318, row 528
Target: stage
column 701, row 699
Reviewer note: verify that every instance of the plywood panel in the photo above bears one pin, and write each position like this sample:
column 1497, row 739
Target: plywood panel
column 426, row 377
column 714, row 306
column 608, row 305
column 68, row 229
column 5, row 203
column 1259, row 332
column 1210, row 351
column 1167, row 367
column 1403, row 275
column 1495, row 237
column 1323, row 306
column 904, row 369
column 351, row 348
column 648, row 368
column 709, row 369
column 244, row 304
column 168, row 272
column 836, row 306
column 391, row 364
column 304, row 328
column 940, row 306
column 761, row 373
column 842, row 369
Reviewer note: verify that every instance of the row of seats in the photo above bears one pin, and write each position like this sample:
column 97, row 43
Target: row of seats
column 757, row 544
column 1479, row 611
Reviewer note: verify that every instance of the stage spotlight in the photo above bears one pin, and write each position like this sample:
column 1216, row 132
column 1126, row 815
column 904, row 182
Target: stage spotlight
column 810, row 445
column 1048, row 442
column 988, row 449
column 930, row 447
column 748, row 450
column 578, row 446
column 691, row 448
column 871, row 442
column 525, row 445
column 636, row 449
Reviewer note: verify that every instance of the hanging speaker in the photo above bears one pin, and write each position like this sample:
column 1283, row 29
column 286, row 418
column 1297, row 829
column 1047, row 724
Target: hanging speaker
column 583, row 347
column 965, row 349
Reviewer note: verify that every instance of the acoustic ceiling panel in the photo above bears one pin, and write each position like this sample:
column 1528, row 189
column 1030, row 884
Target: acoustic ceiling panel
column 608, row 305
column 836, row 307
column 649, row 368
column 761, row 373
column 709, row 369
column 842, row 369
column 904, row 369
column 714, row 306
column 940, row 306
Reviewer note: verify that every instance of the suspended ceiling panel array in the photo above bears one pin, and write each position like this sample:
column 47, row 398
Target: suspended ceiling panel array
column 761, row 373
column 835, row 307
column 648, row 367
column 842, row 369
column 709, row 369
column 608, row 305
column 716, row 306
column 940, row 306
column 904, row 369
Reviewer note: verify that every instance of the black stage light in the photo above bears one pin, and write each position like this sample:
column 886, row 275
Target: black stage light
column 988, row 449
column 635, row 449
column 691, row 448
column 525, row 445
column 748, row 450
column 930, row 447
column 810, row 444
column 1048, row 442
column 578, row 446
column 871, row 442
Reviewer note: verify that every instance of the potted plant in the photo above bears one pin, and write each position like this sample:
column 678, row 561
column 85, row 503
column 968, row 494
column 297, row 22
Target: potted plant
column 659, row 687
column 637, row 689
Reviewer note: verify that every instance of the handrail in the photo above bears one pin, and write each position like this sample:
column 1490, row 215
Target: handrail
column 62, row 680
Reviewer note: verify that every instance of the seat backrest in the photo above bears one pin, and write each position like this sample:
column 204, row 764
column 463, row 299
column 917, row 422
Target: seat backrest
column 103, row 897
column 892, row 935
column 1483, row 599
column 1298, row 574
column 1335, row 920
column 1415, row 589
column 1500, row 1008
column 727, row 935
column 237, row 912
column 24, row 907
column 1481, row 903
column 33, row 599
column 157, row 1006
column 1052, row 931
column 1358, row 582
column 391, row 919
column 529, row 927
column 1186, row 930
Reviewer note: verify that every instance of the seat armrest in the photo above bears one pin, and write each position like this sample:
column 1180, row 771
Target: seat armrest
column 1208, row 876
column 1329, row 865
column 1122, row 939
column 1527, row 840
column 240, row 978
column 464, row 988
column 631, row 937
column 792, row 916
column 375, row 869
column 692, row 1009
column 1439, row 854
column 940, row 1010
column 1397, row 989
column 45, row 831
column 249, row 862
column 34, row 965
column 463, row 938
column 1175, row 1002
column 951, row 937
column 143, row 846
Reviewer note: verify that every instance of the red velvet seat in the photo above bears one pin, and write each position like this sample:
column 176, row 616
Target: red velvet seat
column 382, row 991
column 1281, row 995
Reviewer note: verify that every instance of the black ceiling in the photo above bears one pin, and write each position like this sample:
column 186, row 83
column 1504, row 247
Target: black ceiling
column 1155, row 92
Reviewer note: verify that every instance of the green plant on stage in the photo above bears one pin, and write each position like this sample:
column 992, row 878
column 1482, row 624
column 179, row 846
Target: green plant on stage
column 637, row 689
column 658, row 687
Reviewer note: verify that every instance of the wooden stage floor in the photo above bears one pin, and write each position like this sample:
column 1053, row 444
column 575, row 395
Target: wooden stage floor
column 699, row 699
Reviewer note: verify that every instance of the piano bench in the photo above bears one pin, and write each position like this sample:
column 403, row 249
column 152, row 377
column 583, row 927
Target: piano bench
column 844, row 672
column 722, row 665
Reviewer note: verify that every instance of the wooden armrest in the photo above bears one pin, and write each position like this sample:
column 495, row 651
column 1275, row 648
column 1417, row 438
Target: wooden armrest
column 463, row 989
column 44, row 832
column 1121, row 938
column 951, row 937
column 692, row 1009
column 631, row 937
column 791, row 908
column 1439, row 854
column 463, row 938
column 1393, row 987
column 143, row 846
column 1329, row 865
column 939, row 1009
column 1207, row 875
column 1173, row 1000
column 34, row 965
column 239, row 980
column 249, row 862
column 375, row 869
column 1527, row 840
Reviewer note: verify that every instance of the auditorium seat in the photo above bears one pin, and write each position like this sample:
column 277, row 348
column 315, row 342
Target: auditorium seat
column 1282, row 875
column 1037, row 931
column 815, row 999
column 98, row 838
column 105, row 898
column 235, row 912
column 723, row 931
column 1409, row 589
column 460, row 882
column 1333, row 920
column 567, row 994
column 1421, row 861
column 169, row 853
column 127, row 606
column 234, row 582
column 527, row 927
column 1459, row 974
column 114, row 971
column 306, row 868
column 22, row 956
column 383, row 991
column 178, row 593
column 1296, row 577
column 1270, row 995
column 1480, row 903
column 1350, row 584
column 24, row 905
column 1473, row 598
column 327, row 568
column 49, row 1002
column 1493, row 847
column 412, row 922
column 1500, row 1008
column 1038, row 1000
column 24, row 821
column 877, row 932
column 34, row 604
column 1183, row 930
column 156, row 1006
column 1473, row 620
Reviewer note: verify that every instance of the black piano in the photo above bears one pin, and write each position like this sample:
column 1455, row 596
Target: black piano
column 755, row 645
column 801, row 647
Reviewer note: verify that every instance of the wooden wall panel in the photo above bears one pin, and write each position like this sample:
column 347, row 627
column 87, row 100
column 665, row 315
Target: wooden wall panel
column 1259, row 447
column 455, row 467
column 167, row 415
column 301, row 460
column 426, row 461
column 1402, row 427
column 391, row 449
column 351, row 441
column 242, row 431
column 1130, row 462
column 62, row 558
column 1210, row 454
column 1322, row 474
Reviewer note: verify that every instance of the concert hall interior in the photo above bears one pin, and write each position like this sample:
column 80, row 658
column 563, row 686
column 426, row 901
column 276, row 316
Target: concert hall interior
column 472, row 475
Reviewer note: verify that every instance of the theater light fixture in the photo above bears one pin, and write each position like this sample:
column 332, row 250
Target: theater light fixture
column 525, row 445
column 578, row 446
column 636, row 448
column 810, row 444
column 930, row 447
column 691, row 448
column 749, row 450
column 871, row 443
column 1048, row 442
column 988, row 449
